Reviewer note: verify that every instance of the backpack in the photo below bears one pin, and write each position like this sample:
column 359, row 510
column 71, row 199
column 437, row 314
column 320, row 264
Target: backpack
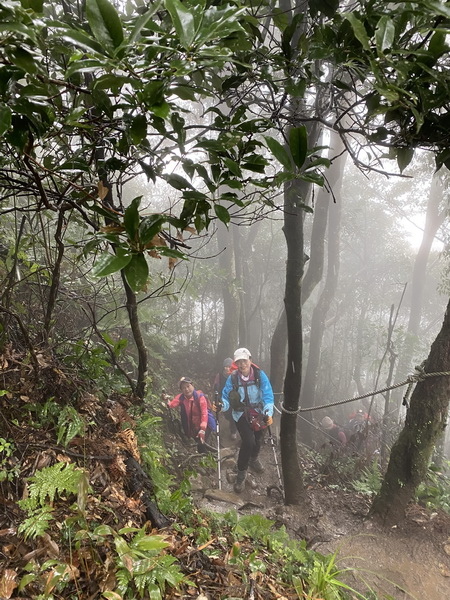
column 235, row 380
column 211, row 423
column 254, row 417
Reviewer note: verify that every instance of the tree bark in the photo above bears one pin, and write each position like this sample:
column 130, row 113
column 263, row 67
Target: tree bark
column 133, row 316
column 229, row 330
column 293, row 231
column 278, row 353
column 314, row 271
column 425, row 421
column 320, row 311
column 312, row 277
column 434, row 219
column 56, row 275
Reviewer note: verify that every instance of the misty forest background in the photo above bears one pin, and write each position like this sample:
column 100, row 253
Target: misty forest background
column 180, row 179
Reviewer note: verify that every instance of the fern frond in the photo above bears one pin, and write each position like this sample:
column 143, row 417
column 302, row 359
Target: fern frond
column 70, row 424
column 37, row 523
column 123, row 578
column 49, row 481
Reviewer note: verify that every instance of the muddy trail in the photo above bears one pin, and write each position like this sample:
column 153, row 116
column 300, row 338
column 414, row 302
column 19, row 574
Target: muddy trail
column 410, row 560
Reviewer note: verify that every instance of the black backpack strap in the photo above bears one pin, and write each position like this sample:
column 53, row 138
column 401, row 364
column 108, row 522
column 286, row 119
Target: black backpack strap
column 257, row 372
column 234, row 380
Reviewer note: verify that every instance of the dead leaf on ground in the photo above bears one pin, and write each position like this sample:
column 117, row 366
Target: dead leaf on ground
column 8, row 584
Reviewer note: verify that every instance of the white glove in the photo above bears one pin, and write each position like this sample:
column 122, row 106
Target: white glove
column 201, row 436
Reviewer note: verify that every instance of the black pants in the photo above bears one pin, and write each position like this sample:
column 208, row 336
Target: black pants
column 250, row 443
column 229, row 417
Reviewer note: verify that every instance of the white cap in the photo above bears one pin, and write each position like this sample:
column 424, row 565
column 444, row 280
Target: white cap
column 242, row 353
column 327, row 423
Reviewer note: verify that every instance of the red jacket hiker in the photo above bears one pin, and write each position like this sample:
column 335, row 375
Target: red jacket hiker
column 194, row 410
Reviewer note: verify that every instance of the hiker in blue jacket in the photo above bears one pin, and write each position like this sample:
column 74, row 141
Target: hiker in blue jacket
column 249, row 394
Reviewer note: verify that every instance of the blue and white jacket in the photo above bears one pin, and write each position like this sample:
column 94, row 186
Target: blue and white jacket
column 259, row 397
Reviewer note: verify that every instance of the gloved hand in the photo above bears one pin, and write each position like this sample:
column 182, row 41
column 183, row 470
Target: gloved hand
column 201, row 436
column 217, row 406
column 268, row 420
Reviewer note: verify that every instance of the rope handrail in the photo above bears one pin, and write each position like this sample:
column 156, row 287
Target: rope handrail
column 420, row 375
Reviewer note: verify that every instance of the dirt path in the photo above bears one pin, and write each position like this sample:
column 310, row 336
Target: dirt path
column 409, row 561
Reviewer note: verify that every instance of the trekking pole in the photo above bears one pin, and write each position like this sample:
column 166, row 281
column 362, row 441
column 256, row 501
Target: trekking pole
column 219, row 472
column 272, row 442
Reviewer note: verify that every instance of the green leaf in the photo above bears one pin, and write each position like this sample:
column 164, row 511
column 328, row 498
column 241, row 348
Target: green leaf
column 184, row 92
column 384, row 34
column 171, row 252
column 358, row 29
column 150, row 542
column 143, row 20
column 178, row 182
column 103, row 530
column 222, row 213
column 280, row 18
column 105, row 23
column 18, row 28
column 148, row 170
column 183, row 21
column 437, row 46
column 154, row 591
column 153, row 92
column 404, row 157
column 279, row 151
column 219, row 23
column 23, row 59
column 111, row 263
column 138, row 129
column 26, row 580
column 328, row 7
column 83, row 40
column 161, row 110
column 84, row 66
column 36, row 5
column 233, row 167
column 131, row 218
column 149, row 227
column 136, row 272
column 298, row 144
column 5, row 118
column 74, row 164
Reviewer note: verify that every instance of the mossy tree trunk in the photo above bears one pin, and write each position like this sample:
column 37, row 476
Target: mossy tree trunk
column 425, row 422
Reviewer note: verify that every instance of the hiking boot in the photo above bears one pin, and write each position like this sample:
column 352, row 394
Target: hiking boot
column 239, row 484
column 256, row 466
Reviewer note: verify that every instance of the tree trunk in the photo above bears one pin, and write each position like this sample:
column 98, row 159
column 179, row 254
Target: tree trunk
column 229, row 330
column 239, row 268
column 425, row 421
column 314, row 272
column 434, row 219
column 56, row 275
column 278, row 353
column 312, row 277
column 320, row 311
column 132, row 310
column 293, row 231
